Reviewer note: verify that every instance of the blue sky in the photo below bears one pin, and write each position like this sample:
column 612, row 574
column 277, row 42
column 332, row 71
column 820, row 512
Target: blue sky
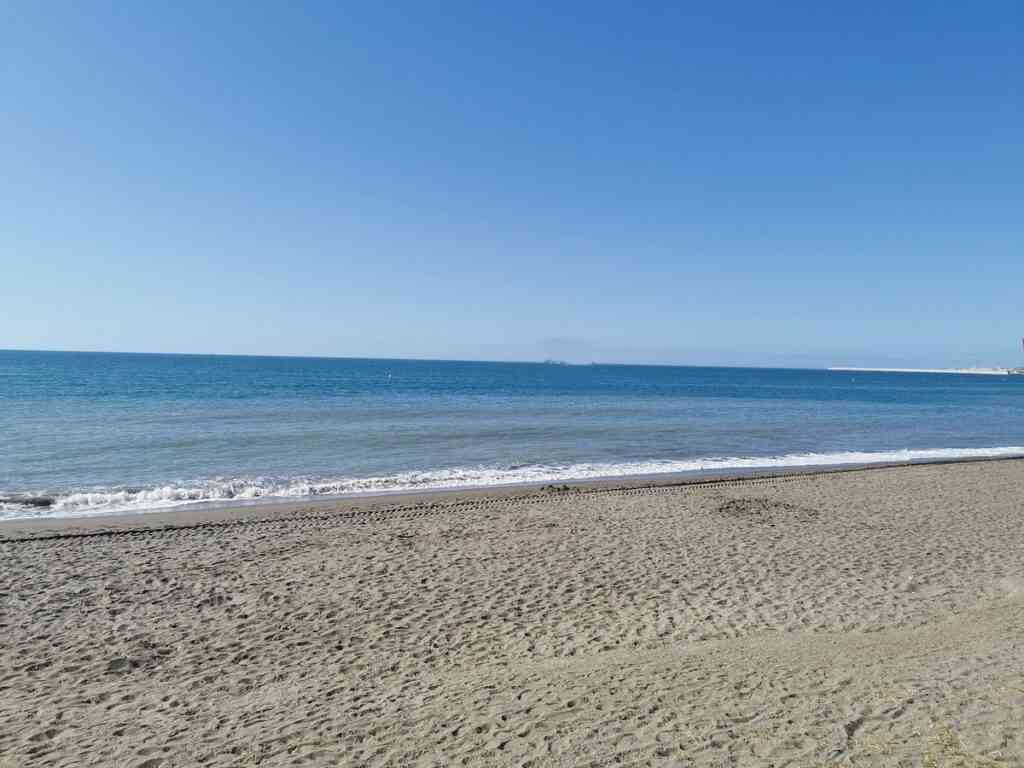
column 734, row 183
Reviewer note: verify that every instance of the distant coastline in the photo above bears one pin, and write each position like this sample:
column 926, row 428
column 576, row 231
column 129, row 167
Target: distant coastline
column 975, row 371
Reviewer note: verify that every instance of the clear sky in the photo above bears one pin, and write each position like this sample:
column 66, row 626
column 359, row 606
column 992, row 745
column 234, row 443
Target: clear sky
column 737, row 183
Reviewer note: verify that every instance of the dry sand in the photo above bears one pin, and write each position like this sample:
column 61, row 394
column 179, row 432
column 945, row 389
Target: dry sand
column 869, row 618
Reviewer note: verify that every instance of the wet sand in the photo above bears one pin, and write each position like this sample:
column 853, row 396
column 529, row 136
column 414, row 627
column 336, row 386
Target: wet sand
column 862, row 618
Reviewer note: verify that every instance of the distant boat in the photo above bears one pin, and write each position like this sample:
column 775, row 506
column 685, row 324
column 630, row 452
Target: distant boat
column 556, row 362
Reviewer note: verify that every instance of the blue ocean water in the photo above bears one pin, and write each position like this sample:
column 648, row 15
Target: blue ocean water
column 84, row 433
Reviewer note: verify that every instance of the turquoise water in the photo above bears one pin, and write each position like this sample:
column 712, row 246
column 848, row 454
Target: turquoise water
column 83, row 433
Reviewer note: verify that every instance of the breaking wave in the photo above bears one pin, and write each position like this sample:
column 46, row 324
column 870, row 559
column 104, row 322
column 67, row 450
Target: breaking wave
column 249, row 489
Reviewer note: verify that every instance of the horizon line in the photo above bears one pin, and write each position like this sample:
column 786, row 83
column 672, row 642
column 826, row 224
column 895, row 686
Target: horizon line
column 546, row 361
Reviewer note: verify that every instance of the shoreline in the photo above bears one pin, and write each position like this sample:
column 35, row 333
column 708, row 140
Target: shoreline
column 213, row 513
column 964, row 371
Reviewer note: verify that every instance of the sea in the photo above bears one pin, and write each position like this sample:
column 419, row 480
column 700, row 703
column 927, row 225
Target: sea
column 94, row 433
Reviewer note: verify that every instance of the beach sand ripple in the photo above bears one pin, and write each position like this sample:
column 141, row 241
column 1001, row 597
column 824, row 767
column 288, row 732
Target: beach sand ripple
column 867, row 618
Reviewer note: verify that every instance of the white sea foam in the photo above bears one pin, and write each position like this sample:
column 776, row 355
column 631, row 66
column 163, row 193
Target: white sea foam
column 240, row 490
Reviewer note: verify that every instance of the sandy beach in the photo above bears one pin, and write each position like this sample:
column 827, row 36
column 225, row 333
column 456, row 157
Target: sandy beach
column 861, row 618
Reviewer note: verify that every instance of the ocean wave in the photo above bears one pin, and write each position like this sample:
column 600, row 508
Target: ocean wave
column 249, row 489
